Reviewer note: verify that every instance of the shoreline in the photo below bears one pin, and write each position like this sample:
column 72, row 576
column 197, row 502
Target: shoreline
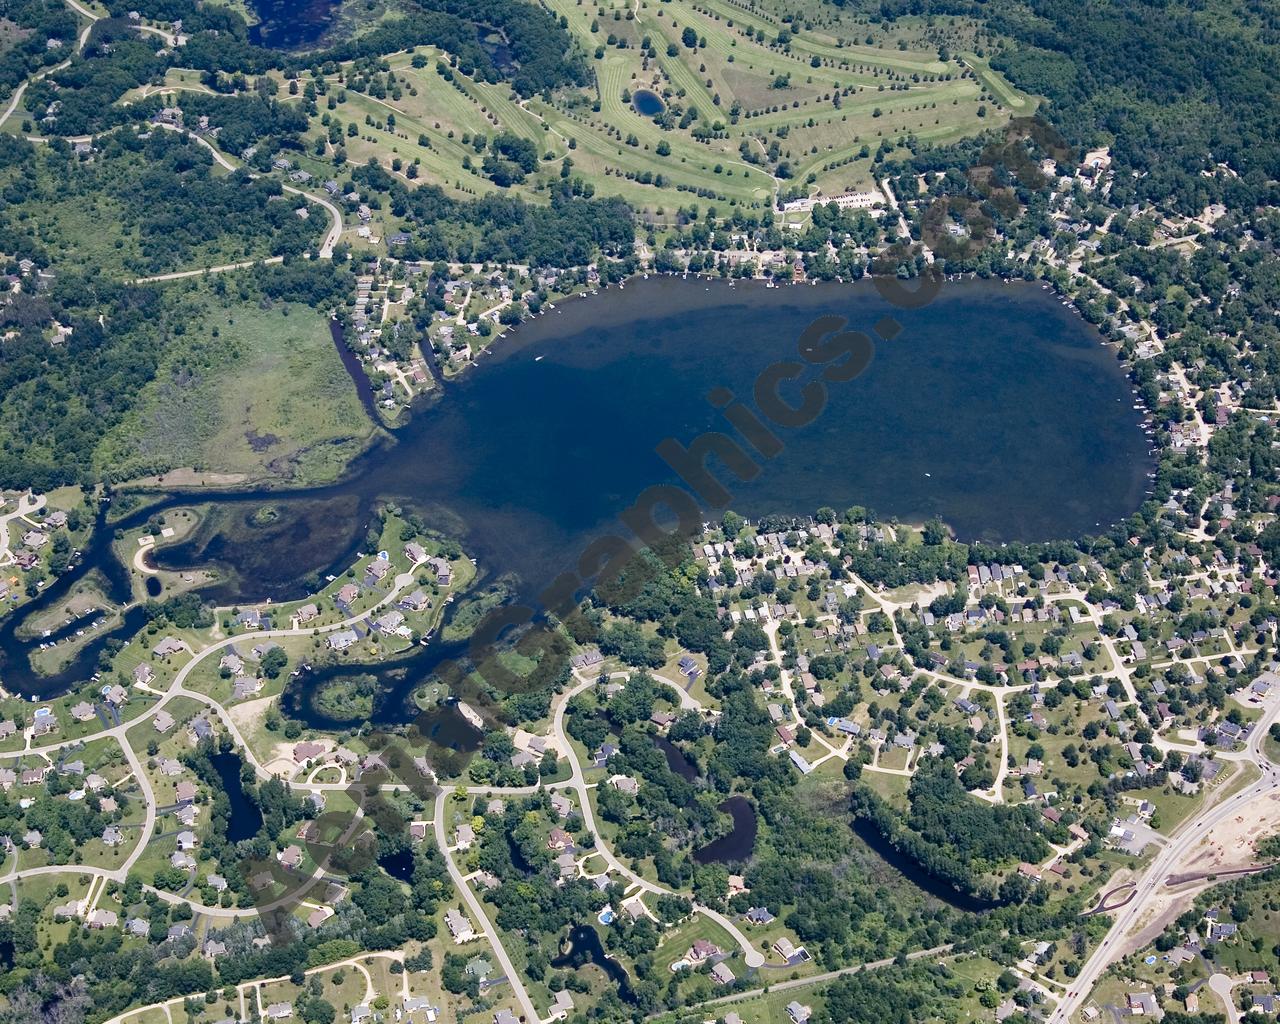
column 326, row 508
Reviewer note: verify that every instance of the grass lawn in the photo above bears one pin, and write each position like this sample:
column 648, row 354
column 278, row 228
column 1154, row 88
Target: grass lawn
column 770, row 1007
column 892, row 787
column 822, row 104
column 677, row 941
column 1018, row 102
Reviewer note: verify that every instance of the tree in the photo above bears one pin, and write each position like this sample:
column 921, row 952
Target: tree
column 274, row 662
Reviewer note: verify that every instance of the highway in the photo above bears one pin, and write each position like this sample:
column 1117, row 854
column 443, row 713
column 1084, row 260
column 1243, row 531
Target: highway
column 1167, row 862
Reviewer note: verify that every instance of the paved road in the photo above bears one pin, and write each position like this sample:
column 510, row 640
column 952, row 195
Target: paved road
column 178, row 274
column 1181, row 843
column 477, row 911
column 251, row 988
column 818, row 979
column 335, row 215
column 16, row 98
column 26, row 505
column 752, row 956
column 176, row 689
column 83, row 11
column 1221, row 986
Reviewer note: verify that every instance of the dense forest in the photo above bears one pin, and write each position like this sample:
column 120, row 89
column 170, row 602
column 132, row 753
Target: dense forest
column 954, row 836
column 243, row 121
column 1173, row 87
column 900, row 995
column 543, row 55
column 571, row 231
column 177, row 207
column 45, row 31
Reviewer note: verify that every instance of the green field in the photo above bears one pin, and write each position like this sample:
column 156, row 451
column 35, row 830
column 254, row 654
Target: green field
column 750, row 119
column 258, row 391
column 113, row 213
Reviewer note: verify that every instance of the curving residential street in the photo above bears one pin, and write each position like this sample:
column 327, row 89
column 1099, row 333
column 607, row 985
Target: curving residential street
column 752, row 956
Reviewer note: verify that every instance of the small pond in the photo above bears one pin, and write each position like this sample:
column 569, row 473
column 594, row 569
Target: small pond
column 677, row 760
column 245, row 820
column 398, row 864
column 585, row 947
column 737, row 845
column 647, row 103
column 291, row 24
column 915, row 873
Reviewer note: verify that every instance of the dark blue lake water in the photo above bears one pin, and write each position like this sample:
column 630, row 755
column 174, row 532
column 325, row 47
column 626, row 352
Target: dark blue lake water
column 245, row 819
column 736, row 846
column 647, row 103
column 291, row 24
column 994, row 408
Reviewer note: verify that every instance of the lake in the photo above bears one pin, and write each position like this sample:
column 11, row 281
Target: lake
column 291, row 24
column 995, row 408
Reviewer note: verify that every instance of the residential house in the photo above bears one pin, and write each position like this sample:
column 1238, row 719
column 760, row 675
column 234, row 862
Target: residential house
column 342, row 639
column 587, row 659
column 168, row 646
column 415, row 602
column 307, row 750
column 245, row 686
column 721, row 974
column 797, row 1013
column 459, row 926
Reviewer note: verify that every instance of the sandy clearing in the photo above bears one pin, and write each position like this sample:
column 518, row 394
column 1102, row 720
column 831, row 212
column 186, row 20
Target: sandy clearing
column 248, row 717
